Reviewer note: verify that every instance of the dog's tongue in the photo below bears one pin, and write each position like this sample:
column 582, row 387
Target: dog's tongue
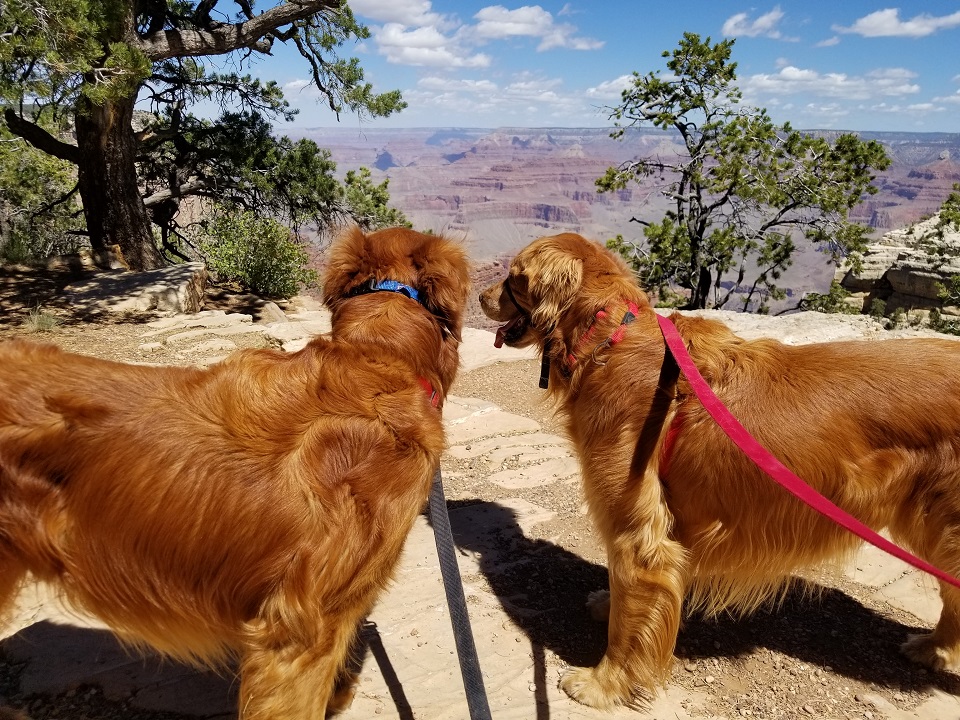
column 502, row 332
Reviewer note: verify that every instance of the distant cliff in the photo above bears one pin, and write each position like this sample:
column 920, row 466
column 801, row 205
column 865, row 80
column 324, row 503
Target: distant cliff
column 483, row 182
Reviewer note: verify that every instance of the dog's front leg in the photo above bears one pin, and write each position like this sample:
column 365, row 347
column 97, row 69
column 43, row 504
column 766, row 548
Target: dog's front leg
column 647, row 584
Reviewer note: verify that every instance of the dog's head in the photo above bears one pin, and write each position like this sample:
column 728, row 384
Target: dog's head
column 373, row 284
column 430, row 268
column 549, row 279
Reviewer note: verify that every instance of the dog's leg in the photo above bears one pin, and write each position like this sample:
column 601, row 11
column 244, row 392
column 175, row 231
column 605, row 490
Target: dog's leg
column 939, row 649
column 646, row 595
column 282, row 678
column 927, row 526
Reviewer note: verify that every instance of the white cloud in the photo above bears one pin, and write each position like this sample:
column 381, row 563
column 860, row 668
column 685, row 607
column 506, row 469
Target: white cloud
column 525, row 98
column 296, row 86
column 424, row 46
column 955, row 98
column 925, row 107
column 827, row 115
column 610, row 89
column 496, row 22
column 442, row 84
column 829, row 42
column 405, row 12
column 792, row 80
column 739, row 25
column 887, row 23
column 536, row 91
column 412, row 34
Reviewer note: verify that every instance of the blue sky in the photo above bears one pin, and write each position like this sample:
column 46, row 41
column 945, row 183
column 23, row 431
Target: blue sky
column 846, row 64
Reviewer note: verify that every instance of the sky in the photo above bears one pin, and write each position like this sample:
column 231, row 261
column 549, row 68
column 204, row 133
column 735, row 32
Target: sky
column 846, row 65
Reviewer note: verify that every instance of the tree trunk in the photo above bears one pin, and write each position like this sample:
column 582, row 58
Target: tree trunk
column 701, row 293
column 108, row 185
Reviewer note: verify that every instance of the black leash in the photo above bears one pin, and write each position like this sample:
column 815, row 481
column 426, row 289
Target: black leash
column 456, row 602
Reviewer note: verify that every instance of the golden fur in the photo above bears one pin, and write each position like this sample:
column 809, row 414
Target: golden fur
column 874, row 426
column 253, row 510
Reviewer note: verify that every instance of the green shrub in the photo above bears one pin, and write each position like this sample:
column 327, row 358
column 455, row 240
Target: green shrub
column 942, row 324
column 258, row 253
column 833, row 301
column 899, row 319
column 878, row 309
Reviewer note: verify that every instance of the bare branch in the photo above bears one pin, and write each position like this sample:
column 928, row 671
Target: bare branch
column 186, row 188
column 40, row 138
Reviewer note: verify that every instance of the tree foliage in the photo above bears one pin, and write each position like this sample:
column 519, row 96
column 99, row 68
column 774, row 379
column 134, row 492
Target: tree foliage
column 368, row 204
column 38, row 206
column 90, row 62
column 743, row 190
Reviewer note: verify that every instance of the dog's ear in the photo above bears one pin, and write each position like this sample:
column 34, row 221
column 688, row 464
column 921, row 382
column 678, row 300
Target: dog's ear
column 343, row 264
column 444, row 279
column 554, row 276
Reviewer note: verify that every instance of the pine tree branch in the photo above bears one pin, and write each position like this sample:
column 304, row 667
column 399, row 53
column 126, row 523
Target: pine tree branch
column 222, row 38
column 40, row 138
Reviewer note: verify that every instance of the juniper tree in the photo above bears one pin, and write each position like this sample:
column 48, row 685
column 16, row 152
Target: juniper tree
column 89, row 62
column 742, row 190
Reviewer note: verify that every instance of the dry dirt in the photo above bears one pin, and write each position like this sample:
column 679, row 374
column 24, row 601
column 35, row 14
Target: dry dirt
column 832, row 655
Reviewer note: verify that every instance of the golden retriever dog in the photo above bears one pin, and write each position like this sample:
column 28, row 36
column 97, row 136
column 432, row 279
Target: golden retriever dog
column 253, row 510
column 874, row 426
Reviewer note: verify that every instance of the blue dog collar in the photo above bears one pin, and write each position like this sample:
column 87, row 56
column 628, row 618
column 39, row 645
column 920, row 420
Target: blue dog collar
column 386, row 286
column 398, row 287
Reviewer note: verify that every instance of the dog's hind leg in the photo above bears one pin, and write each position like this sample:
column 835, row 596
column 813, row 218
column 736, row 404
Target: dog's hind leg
column 286, row 678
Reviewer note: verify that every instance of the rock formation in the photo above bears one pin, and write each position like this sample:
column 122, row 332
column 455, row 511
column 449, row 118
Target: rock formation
column 902, row 272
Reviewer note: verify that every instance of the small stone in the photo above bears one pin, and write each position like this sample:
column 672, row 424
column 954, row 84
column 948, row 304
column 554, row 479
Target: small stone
column 709, row 679
column 690, row 666
column 808, row 709
column 532, row 687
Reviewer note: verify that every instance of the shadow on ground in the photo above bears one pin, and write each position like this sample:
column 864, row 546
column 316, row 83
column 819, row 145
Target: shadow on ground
column 23, row 290
column 92, row 675
column 543, row 588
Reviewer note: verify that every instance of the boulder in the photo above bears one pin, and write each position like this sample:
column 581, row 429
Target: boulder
column 174, row 289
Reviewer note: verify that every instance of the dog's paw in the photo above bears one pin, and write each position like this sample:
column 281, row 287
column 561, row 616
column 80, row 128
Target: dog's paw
column 922, row 648
column 598, row 603
column 583, row 685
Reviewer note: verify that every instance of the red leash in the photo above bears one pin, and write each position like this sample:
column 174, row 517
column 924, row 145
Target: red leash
column 773, row 467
